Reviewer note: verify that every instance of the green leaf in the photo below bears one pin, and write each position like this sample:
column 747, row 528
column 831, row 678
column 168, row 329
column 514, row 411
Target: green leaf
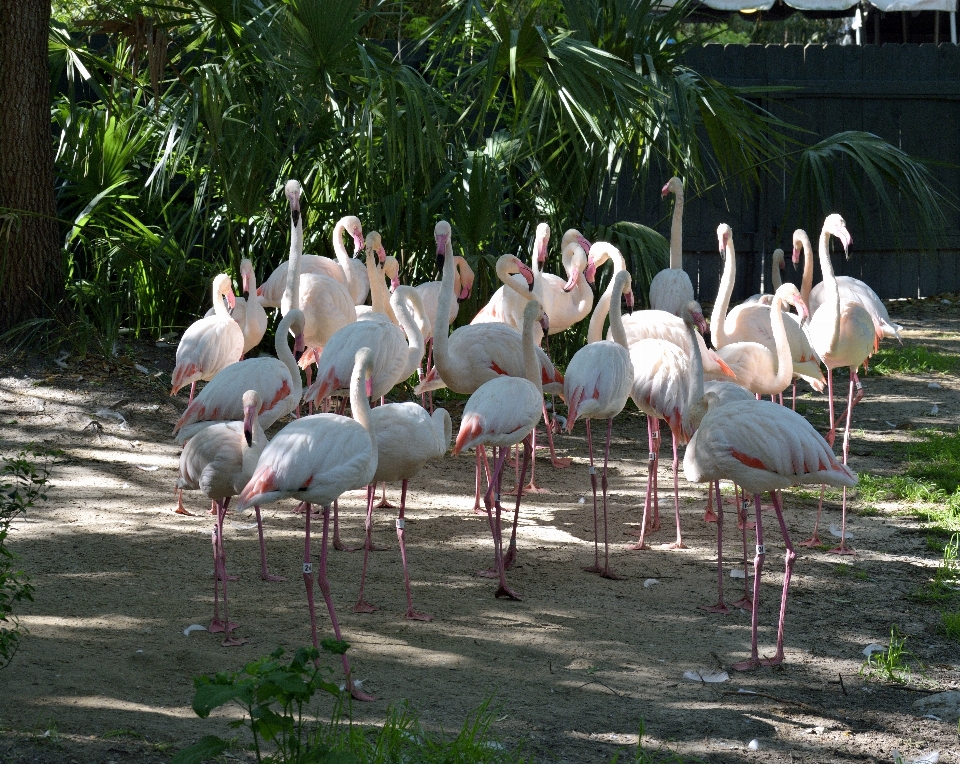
column 210, row 696
column 201, row 751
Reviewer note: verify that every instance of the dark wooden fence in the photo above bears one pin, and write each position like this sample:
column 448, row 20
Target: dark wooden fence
column 908, row 95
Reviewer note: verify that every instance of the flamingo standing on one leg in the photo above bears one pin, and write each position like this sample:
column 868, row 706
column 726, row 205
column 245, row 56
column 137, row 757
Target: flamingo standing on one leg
column 211, row 344
column 670, row 289
column 597, row 385
column 315, row 459
column 843, row 334
column 763, row 447
column 407, row 438
column 502, row 413
column 219, row 461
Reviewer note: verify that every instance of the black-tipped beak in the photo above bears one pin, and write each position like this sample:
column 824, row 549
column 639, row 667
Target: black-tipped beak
column 298, row 354
column 295, row 216
column 439, row 261
column 249, row 436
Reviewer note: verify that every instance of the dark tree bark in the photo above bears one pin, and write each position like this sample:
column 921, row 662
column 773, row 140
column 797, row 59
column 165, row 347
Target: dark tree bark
column 31, row 266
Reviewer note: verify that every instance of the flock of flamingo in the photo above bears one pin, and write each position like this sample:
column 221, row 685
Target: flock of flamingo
column 709, row 398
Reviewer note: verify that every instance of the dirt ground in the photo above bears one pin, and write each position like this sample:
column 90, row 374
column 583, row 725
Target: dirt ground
column 105, row 674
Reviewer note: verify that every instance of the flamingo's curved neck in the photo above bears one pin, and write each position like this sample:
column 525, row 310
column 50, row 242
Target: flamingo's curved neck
column 599, row 316
column 221, row 288
column 359, row 404
column 602, row 251
column 291, row 294
column 379, row 295
column 284, row 354
column 531, row 364
column 505, row 271
column 617, row 331
column 441, row 330
column 719, row 317
column 775, row 279
column 406, row 301
column 695, row 405
column 784, row 357
column 806, row 284
column 343, row 258
column 831, row 292
column 676, row 231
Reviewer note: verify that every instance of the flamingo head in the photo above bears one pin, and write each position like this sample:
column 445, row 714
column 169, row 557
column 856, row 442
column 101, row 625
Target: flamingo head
column 355, row 229
column 231, row 299
column 363, row 368
column 466, row 278
column 724, row 235
column 789, row 293
column 672, row 186
column 525, row 271
column 584, row 244
column 375, row 244
column 292, row 189
column 778, row 258
column 442, row 233
column 572, row 281
column 542, row 240
column 251, row 406
column 695, row 312
column 391, row 269
column 544, row 322
column 835, row 225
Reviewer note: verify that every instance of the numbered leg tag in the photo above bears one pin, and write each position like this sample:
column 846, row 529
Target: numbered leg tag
column 761, row 550
column 496, row 498
column 593, row 470
column 399, row 523
column 651, row 457
column 308, row 568
column 746, row 504
column 859, row 386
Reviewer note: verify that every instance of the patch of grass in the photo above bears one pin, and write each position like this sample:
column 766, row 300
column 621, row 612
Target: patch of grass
column 890, row 665
column 867, row 511
column 950, row 624
column 911, row 359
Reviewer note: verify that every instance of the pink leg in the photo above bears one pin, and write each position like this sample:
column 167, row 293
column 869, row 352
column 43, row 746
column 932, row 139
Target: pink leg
column 720, row 607
column 832, row 432
column 555, row 460
column 362, row 605
column 746, row 601
column 709, row 516
column 337, row 543
column 678, row 544
column 607, row 571
column 651, row 471
column 411, row 613
column 789, row 558
column 793, row 401
column 656, row 476
column 854, row 381
column 511, row 556
column 595, row 568
column 220, row 572
column 754, row 660
column 383, row 503
column 181, row 510
column 481, row 457
column 493, row 515
column 263, row 551
column 814, row 540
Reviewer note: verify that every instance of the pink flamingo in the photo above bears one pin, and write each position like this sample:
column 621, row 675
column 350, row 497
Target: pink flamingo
column 315, row 459
column 670, row 289
column 407, row 438
column 211, row 344
column 597, row 385
column 247, row 311
column 501, row 413
column 218, row 462
column 843, row 334
column 763, row 447
column 344, row 269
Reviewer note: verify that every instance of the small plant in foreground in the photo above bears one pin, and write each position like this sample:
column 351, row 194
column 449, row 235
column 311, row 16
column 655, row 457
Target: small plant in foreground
column 889, row 665
column 22, row 483
column 661, row 755
column 950, row 624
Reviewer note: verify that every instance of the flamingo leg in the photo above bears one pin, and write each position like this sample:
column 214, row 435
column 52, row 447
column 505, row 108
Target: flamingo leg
column 709, row 516
column 678, row 544
column 337, row 543
column 383, row 503
column 793, row 401
column 745, row 602
column 789, row 557
column 814, row 540
column 181, row 510
column 481, row 457
column 499, row 572
column 832, row 432
column 720, row 607
column 651, row 472
column 362, row 605
column 656, row 469
column 220, row 572
column 555, row 460
column 595, row 568
column 754, row 660
column 263, row 550
column 851, row 402
column 607, row 571
column 411, row 613
column 511, row 556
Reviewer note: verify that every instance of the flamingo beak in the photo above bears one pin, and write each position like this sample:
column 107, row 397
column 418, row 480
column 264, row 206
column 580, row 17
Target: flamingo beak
column 368, row 387
column 394, row 283
column 245, row 279
column 464, row 294
column 723, row 242
column 441, row 245
column 231, row 299
column 358, row 242
column 665, row 190
column 526, row 273
column 545, row 323
column 542, row 252
column 295, row 212
column 299, row 346
column 572, row 282
column 381, row 254
column 590, row 274
column 260, row 291
column 248, row 414
column 783, row 265
column 801, row 307
column 701, row 323
column 796, row 255
column 584, row 244
column 628, row 298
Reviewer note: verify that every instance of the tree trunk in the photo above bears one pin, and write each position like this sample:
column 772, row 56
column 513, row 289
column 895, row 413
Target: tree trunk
column 31, row 266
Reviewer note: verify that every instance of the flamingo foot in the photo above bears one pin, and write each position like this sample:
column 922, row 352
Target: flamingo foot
column 531, row 488
column 488, row 573
column 748, row 665
column 561, row 462
column 478, row 510
column 638, row 547
column 505, row 591
column 229, row 578
column 710, row 516
column 655, row 526
column 364, row 607
column 181, row 510
column 749, row 526
column 413, row 615
column 219, row 627
column 842, row 550
column 271, row 578
column 384, row 504
column 611, row 574
column 357, row 694
column 234, row 642
column 744, row 603
column 340, row 546
column 813, row 541
column 720, row 607
column 677, row 545
column 776, row 660
column 510, row 557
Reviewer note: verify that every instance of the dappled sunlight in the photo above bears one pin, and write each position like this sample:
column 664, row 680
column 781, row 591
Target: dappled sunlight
column 103, row 703
column 42, row 625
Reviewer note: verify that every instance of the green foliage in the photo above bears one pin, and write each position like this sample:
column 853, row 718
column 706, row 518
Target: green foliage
column 890, row 665
column 22, row 484
column 950, row 624
column 911, row 359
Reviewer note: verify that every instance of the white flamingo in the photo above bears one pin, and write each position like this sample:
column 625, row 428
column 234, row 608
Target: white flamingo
column 315, row 459
column 211, row 344
column 218, row 462
column 344, row 269
column 843, row 334
column 597, row 385
column 407, row 438
column 671, row 289
column 501, row 413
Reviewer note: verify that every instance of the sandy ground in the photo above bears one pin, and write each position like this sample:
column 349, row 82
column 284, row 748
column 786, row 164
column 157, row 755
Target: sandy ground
column 105, row 674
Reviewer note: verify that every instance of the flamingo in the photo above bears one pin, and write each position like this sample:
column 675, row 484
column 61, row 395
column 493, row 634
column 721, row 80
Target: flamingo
column 763, row 447
column 776, row 265
column 670, row 289
column 498, row 311
column 501, row 413
column 753, row 323
column 850, row 289
column 211, row 344
column 277, row 380
column 325, row 302
column 218, row 462
column 248, row 312
column 843, row 334
column 379, row 308
column 596, row 386
column 407, row 438
column 315, row 459
column 344, row 269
